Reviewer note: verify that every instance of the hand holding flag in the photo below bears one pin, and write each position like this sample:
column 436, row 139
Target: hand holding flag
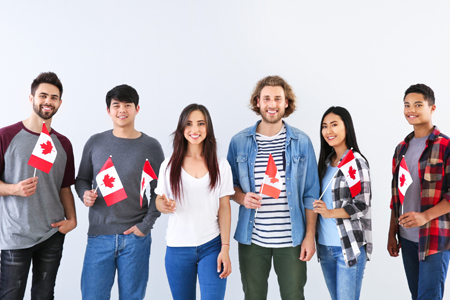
column 147, row 175
column 109, row 183
column 44, row 153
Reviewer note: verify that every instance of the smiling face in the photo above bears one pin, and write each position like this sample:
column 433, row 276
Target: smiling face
column 333, row 131
column 417, row 110
column 195, row 131
column 272, row 104
column 46, row 100
column 122, row 113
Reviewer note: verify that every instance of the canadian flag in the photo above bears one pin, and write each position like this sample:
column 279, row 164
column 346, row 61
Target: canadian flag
column 350, row 170
column 109, row 183
column 44, row 153
column 404, row 180
column 271, row 185
column 147, row 175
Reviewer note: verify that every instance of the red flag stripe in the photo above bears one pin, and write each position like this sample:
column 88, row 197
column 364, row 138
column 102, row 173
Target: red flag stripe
column 149, row 170
column 271, row 170
column 40, row 164
column 108, row 164
column 270, row 191
column 115, row 197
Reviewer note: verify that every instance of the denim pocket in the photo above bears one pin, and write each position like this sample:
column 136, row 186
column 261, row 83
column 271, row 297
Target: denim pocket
column 138, row 236
column 242, row 165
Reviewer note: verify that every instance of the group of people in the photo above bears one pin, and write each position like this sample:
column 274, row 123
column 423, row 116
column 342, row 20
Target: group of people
column 316, row 209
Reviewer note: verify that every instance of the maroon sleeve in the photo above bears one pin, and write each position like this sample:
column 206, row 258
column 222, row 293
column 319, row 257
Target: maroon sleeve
column 6, row 136
column 69, row 173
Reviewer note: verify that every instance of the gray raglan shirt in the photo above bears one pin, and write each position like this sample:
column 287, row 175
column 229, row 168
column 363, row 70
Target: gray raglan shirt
column 25, row 221
column 128, row 156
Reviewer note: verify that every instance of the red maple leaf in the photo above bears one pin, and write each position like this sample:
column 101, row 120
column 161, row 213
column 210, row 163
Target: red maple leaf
column 273, row 180
column 402, row 180
column 143, row 183
column 352, row 172
column 108, row 181
column 47, row 147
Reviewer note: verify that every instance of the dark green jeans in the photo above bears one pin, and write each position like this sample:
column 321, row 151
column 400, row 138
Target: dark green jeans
column 255, row 263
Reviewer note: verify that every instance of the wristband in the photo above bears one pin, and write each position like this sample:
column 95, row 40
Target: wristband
column 225, row 244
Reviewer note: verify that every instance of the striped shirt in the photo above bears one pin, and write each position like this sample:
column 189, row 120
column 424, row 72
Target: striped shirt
column 273, row 221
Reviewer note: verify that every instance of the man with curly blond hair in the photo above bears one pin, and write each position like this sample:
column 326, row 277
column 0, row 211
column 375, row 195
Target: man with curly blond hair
column 268, row 228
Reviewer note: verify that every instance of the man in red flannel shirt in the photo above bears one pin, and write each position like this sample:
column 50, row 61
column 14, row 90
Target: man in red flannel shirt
column 424, row 216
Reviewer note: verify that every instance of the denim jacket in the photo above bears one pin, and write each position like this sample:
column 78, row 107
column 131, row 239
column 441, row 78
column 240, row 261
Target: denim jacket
column 302, row 179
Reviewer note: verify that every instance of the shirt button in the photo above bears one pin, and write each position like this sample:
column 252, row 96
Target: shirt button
column 251, row 163
column 289, row 193
column 251, row 221
column 288, row 179
column 291, row 207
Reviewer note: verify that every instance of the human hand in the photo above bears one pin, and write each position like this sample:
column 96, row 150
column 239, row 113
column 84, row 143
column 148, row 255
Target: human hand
column 252, row 200
column 89, row 197
column 412, row 219
column 165, row 205
column 134, row 230
column 321, row 208
column 393, row 247
column 307, row 248
column 26, row 188
column 65, row 226
column 224, row 260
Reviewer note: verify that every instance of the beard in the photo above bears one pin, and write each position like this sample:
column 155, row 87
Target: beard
column 44, row 114
column 273, row 120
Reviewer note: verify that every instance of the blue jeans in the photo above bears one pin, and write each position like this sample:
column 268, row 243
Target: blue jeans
column 343, row 282
column 15, row 265
column 129, row 254
column 426, row 278
column 183, row 264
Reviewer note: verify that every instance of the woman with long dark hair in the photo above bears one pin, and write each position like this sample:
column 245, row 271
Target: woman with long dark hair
column 344, row 231
column 194, row 187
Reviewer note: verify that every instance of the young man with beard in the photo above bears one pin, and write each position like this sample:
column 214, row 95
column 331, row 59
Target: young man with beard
column 279, row 231
column 420, row 226
column 35, row 212
column 119, row 235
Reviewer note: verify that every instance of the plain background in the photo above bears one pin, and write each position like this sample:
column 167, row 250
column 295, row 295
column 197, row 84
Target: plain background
column 358, row 54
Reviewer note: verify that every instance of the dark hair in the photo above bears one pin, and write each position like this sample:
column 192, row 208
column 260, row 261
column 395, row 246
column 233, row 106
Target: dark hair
column 122, row 93
column 423, row 89
column 350, row 138
column 180, row 146
column 47, row 77
column 273, row 81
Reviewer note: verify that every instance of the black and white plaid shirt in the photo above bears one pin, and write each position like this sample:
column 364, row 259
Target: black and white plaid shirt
column 357, row 230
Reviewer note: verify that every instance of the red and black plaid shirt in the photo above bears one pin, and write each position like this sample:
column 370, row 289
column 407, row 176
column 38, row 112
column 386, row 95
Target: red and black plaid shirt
column 434, row 174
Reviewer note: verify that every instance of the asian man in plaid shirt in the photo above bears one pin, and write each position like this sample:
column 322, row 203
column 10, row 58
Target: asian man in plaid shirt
column 424, row 217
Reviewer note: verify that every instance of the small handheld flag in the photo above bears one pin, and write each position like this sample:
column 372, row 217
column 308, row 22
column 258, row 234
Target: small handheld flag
column 44, row 153
column 147, row 175
column 271, row 185
column 109, row 183
column 404, row 180
column 350, row 170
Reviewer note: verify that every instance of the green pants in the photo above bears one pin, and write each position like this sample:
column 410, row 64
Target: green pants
column 255, row 263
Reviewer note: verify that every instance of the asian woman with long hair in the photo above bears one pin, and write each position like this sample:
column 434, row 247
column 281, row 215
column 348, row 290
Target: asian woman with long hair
column 344, row 230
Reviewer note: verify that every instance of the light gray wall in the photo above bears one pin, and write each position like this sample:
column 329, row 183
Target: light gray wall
column 358, row 54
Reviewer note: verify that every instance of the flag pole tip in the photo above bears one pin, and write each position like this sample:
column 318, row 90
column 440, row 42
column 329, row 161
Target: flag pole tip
column 146, row 159
column 110, row 156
